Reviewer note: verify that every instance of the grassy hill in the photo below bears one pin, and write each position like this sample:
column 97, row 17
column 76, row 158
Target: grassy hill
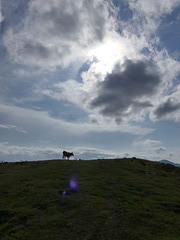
column 123, row 199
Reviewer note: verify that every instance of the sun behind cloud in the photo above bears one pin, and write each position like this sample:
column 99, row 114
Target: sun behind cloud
column 107, row 55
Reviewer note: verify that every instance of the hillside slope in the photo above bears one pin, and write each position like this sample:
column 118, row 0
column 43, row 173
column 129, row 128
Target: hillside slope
column 123, row 199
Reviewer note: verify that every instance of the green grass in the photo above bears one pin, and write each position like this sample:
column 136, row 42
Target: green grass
column 123, row 199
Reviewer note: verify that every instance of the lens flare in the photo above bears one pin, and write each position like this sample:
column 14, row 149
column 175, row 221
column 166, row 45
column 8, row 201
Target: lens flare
column 73, row 184
column 64, row 193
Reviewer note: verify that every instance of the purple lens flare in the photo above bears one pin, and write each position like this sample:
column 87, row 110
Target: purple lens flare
column 64, row 193
column 73, row 184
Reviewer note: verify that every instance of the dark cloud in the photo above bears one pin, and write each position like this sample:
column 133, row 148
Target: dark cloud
column 76, row 24
column 160, row 150
column 65, row 25
column 96, row 20
column 127, row 87
column 165, row 108
column 37, row 49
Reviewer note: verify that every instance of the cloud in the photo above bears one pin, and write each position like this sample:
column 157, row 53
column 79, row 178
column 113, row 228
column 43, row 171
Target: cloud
column 28, row 152
column 167, row 104
column 155, row 8
column 1, row 16
column 63, row 91
column 47, row 136
column 160, row 150
column 147, row 15
column 93, row 153
column 169, row 67
column 147, row 143
column 35, row 153
column 12, row 127
column 56, row 33
column 34, row 122
column 149, row 147
column 127, row 89
column 168, row 107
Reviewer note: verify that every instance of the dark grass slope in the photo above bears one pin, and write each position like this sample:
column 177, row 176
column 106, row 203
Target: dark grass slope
column 123, row 199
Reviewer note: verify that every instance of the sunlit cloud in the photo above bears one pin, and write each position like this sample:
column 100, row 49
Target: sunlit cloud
column 107, row 54
column 58, row 33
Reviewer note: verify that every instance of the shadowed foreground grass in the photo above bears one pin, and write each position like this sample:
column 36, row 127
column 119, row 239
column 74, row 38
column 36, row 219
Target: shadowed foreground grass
column 123, row 199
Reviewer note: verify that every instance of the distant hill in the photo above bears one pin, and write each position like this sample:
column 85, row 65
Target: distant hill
column 118, row 199
column 169, row 162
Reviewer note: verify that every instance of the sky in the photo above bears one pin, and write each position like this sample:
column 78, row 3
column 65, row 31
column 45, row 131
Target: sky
column 100, row 78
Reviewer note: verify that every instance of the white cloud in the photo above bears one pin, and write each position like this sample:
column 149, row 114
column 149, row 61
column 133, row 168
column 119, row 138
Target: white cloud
column 1, row 16
column 83, row 93
column 12, row 127
column 28, row 151
column 147, row 14
column 136, row 35
column 63, row 91
column 34, row 152
column 17, row 152
column 169, row 67
column 148, row 143
column 37, row 121
column 150, row 149
column 58, row 32
column 155, row 150
column 93, row 153
column 154, row 8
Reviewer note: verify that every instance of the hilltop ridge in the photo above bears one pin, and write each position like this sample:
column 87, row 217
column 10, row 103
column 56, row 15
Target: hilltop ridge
column 126, row 199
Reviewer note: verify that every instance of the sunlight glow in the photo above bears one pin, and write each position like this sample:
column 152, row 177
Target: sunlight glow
column 107, row 55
